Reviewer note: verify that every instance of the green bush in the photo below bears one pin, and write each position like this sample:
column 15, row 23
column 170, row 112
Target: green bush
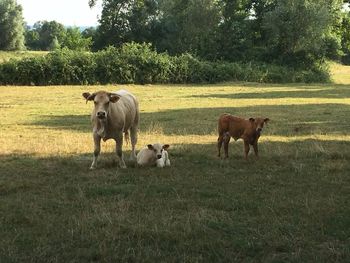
column 147, row 66
column 139, row 64
column 71, row 67
column 110, row 68
column 32, row 71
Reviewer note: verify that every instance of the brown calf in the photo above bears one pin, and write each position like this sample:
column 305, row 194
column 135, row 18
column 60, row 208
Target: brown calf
column 238, row 128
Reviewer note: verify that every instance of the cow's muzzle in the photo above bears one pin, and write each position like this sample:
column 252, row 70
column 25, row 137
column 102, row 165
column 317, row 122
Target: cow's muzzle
column 259, row 129
column 101, row 115
column 159, row 156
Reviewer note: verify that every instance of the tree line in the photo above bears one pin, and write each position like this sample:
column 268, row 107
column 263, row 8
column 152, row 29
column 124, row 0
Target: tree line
column 293, row 32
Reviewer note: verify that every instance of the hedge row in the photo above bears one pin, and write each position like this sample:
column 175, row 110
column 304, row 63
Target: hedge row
column 139, row 64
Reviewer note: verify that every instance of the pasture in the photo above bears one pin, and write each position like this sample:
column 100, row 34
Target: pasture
column 291, row 205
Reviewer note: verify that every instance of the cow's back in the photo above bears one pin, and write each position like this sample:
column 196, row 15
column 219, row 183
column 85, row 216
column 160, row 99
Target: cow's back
column 146, row 157
column 235, row 126
column 125, row 112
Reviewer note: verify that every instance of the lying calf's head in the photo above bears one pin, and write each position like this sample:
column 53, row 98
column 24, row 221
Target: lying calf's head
column 101, row 99
column 158, row 148
column 259, row 123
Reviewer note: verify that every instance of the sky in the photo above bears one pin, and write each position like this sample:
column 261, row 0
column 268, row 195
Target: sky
column 66, row 12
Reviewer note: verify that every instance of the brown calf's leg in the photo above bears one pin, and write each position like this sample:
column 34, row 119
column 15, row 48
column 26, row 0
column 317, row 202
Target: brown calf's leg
column 227, row 139
column 246, row 149
column 255, row 146
column 220, row 141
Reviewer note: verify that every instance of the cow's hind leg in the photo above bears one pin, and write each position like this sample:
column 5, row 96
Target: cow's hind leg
column 133, row 138
column 220, row 141
column 246, row 149
column 119, row 149
column 226, row 139
column 97, row 143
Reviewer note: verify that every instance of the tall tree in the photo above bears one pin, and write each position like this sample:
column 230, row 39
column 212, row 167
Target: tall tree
column 126, row 20
column 188, row 26
column 258, row 10
column 297, row 29
column 234, row 29
column 43, row 35
column 11, row 25
column 345, row 41
column 74, row 40
column 32, row 39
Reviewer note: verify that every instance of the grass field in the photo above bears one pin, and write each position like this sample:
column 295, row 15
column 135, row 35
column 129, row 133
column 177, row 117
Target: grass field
column 292, row 205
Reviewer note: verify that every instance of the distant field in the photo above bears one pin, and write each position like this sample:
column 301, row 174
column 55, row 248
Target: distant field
column 292, row 205
column 340, row 73
column 7, row 55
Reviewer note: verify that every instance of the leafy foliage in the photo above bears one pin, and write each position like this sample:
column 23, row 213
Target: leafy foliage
column 296, row 28
column 11, row 26
column 125, row 21
column 74, row 40
column 138, row 63
column 345, row 41
column 295, row 33
column 51, row 35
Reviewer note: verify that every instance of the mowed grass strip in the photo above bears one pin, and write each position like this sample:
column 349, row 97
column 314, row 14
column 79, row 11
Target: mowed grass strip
column 291, row 205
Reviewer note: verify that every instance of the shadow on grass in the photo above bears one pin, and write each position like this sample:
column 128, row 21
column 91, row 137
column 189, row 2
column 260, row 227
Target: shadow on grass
column 79, row 123
column 294, row 197
column 302, row 119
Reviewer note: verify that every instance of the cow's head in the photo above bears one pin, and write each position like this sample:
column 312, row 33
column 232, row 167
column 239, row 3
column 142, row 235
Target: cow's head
column 101, row 99
column 158, row 148
column 259, row 123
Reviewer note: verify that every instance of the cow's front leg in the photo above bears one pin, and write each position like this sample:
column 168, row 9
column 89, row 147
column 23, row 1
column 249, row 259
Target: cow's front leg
column 246, row 149
column 119, row 149
column 133, row 135
column 97, row 149
column 256, row 149
column 167, row 162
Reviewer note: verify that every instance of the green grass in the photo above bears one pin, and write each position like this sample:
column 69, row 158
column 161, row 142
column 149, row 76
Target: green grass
column 7, row 55
column 292, row 205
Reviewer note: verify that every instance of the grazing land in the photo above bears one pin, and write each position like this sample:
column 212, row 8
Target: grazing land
column 291, row 205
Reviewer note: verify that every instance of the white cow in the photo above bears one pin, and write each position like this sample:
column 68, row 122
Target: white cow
column 114, row 114
column 154, row 155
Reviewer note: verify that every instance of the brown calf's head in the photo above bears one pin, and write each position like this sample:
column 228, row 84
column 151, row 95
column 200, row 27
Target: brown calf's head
column 101, row 99
column 259, row 123
column 158, row 148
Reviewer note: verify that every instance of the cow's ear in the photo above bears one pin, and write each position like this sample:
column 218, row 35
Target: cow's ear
column 150, row 146
column 113, row 97
column 251, row 119
column 88, row 96
column 266, row 120
column 166, row 146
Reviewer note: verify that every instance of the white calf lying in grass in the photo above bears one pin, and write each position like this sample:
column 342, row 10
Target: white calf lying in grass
column 154, row 155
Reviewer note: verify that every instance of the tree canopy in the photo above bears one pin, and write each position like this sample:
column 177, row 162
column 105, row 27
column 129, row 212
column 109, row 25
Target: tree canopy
column 280, row 31
column 11, row 26
column 51, row 35
column 270, row 30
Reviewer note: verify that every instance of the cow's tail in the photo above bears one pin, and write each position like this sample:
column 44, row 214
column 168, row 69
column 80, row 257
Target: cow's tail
column 126, row 137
